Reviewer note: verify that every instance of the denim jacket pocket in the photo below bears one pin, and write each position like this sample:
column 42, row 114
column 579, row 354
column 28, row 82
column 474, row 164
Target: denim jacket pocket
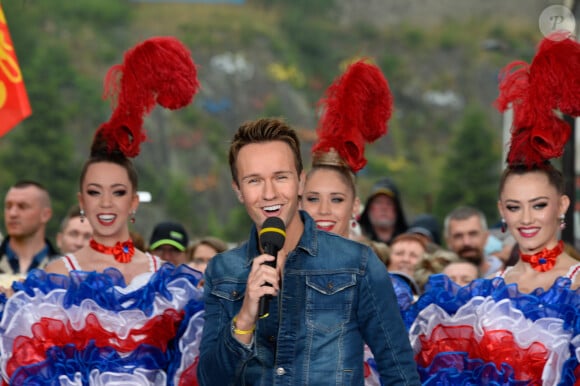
column 329, row 300
column 232, row 291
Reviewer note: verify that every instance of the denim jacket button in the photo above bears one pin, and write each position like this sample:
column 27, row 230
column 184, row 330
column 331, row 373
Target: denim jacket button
column 330, row 285
column 271, row 339
column 235, row 294
column 280, row 371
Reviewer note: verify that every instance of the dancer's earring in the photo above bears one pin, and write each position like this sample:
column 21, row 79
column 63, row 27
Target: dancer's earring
column 562, row 222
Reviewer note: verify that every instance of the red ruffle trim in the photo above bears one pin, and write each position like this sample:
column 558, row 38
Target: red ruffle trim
column 50, row 332
column 496, row 346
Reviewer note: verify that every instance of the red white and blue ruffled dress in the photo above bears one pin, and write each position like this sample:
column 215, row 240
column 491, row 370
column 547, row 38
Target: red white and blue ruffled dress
column 90, row 328
column 489, row 333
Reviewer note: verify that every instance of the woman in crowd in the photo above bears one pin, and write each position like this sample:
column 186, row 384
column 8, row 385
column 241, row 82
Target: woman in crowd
column 111, row 314
column 407, row 251
column 203, row 250
column 330, row 194
column 434, row 262
column 356, row 109
column 462, row 272
column 522, row 327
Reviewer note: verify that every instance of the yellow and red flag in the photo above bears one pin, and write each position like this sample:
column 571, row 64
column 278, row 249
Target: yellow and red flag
column 14, row 105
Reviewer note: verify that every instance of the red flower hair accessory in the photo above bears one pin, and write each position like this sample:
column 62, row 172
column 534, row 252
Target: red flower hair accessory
column 537, row 92
column 358, row 106
column 159, row 70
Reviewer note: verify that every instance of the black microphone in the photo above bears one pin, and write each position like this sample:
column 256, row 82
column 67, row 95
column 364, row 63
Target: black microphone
column 272, row 237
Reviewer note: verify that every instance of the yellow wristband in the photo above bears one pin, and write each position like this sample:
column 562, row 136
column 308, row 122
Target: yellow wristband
column 241, row 332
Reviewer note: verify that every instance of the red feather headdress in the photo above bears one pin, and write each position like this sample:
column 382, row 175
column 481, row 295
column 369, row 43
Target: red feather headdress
column 159, row 70
column 537, row 92
column 357, row 107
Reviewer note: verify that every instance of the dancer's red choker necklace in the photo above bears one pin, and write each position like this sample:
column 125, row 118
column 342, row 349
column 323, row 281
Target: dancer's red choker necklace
column 545, row 259
column 122, row 252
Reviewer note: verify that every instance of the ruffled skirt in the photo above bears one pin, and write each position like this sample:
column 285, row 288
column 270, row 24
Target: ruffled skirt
column 90, row 329
column 490, row 333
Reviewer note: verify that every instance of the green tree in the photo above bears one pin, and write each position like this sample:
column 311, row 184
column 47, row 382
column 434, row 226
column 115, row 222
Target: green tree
column 177, row 200
column 471, row 172
column 238, row 225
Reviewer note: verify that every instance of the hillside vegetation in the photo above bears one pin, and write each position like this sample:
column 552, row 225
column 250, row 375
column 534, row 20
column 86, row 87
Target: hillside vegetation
column 269, row 58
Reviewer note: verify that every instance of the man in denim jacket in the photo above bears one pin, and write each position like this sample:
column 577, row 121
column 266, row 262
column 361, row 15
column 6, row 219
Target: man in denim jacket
column 330, row 294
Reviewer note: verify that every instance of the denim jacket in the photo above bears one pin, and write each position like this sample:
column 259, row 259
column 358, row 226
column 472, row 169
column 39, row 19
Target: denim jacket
column 335, row 295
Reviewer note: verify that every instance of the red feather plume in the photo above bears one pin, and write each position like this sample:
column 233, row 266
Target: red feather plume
column 357, row 107
column 536, row 92
column 159, row 70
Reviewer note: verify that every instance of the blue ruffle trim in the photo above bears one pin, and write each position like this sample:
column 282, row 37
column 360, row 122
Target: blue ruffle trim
column 69, row 361
column 101, row 287
column 557, row 302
